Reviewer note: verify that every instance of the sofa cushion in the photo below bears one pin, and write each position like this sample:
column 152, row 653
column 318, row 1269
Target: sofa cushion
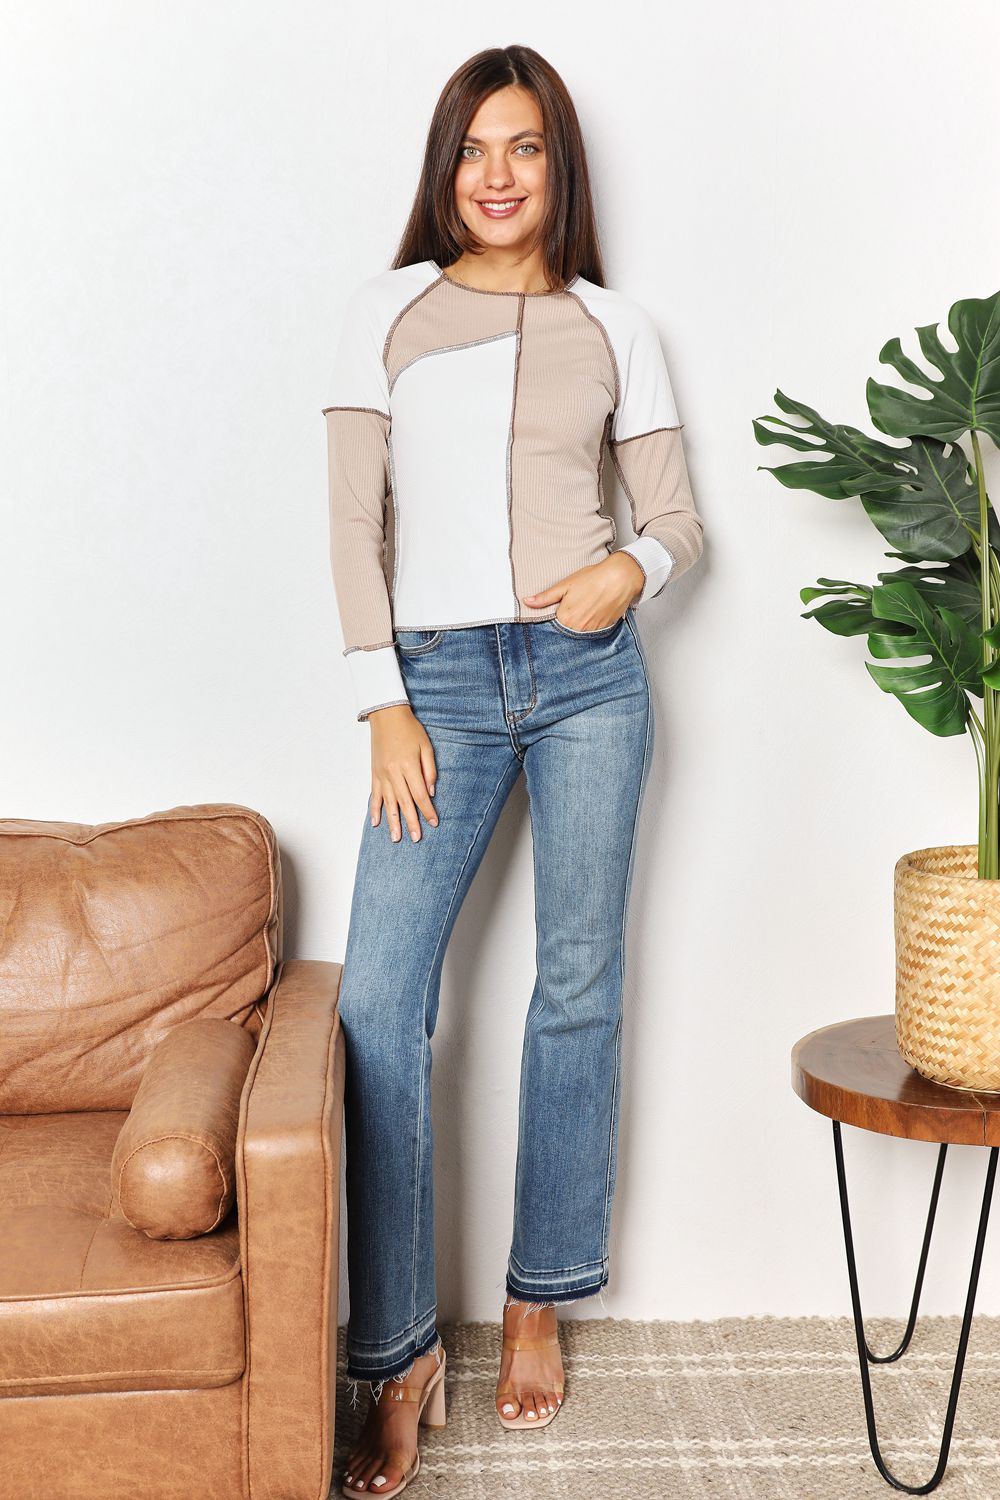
column 87, row 1303
column 112, row 934
column 173, row 1169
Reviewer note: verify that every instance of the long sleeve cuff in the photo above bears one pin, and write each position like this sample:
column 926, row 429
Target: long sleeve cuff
column 654, row 560
column 377, row 680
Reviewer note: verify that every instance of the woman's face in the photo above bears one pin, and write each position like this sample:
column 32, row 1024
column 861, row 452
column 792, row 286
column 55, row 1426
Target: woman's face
column 502, row 162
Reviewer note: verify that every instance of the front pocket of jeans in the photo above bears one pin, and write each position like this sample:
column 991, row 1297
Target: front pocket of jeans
column 588, row 635
column 417, row 642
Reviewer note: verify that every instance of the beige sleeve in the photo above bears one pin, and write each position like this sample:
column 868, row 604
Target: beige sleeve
column 654, row 475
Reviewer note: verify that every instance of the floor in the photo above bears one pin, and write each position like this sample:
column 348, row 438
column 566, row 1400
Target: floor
column 733, row 1409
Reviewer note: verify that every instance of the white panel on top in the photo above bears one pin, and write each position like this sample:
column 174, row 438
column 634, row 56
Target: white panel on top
column 451, row 425
column 358, row 378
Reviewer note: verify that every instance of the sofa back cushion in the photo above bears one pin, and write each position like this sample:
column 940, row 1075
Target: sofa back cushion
column 112, row 934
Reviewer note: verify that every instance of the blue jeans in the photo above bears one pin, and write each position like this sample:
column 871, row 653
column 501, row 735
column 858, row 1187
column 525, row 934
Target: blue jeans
column 573, row 709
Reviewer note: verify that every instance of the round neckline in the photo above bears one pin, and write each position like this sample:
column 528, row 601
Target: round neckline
column 482, row 291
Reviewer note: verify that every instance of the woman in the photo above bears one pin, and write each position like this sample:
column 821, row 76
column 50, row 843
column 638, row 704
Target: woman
column 489, row 628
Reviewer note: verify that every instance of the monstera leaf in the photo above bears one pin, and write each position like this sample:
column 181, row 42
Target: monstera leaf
column 956, row 586
column 966, row 398
column 848, row 607
column 848, row 610
column 933, row 693
column 921, row 497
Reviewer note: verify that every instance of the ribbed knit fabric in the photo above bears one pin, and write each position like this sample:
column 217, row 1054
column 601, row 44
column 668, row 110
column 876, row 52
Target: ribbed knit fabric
column 467, row 438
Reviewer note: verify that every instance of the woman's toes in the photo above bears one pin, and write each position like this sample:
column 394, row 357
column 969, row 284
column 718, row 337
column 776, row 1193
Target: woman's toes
column 377, row 1474
column 387, row 1475
column 531, row 1405
column 507, row 1406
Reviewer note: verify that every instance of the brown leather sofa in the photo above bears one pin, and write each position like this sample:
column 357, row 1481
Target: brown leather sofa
column 171, row 1097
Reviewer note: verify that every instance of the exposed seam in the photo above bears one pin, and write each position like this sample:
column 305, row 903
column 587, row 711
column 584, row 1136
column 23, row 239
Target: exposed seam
column 676, row 427
column 391, row 454
column 486, row 292
column 363, row 715
column 493, row 620
column 607, row 343
column 602, row 452
column 518, row 328
column 393, row 489
column 490, row 338
column 374, row 410
column 382, row 645
column 625, row 487
column 418, row 297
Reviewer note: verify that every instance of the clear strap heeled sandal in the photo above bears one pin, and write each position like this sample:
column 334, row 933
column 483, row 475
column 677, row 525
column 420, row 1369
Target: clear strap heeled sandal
column 507, row 1387
column 431, row 1414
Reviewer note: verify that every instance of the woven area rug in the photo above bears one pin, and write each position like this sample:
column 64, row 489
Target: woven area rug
column 741, row 1408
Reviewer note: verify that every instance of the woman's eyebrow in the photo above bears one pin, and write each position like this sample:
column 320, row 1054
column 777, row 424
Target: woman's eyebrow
column 519, row 137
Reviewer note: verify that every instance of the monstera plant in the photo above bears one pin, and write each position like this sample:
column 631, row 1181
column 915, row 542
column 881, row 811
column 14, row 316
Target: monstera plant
column 933, row 629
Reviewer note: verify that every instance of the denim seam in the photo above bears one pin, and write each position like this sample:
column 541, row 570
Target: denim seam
column 621, row 951
column 583, row 1265
column 503, row 689
column 522, row 713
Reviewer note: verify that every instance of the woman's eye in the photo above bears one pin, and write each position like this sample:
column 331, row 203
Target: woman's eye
column 530, row 145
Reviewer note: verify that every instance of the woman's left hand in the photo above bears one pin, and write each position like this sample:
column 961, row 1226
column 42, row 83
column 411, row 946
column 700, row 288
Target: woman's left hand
column 597, row 595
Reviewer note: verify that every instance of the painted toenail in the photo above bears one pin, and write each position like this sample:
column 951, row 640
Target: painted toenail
column 507, row 1408
column 379, row 1480
column 531, row 1414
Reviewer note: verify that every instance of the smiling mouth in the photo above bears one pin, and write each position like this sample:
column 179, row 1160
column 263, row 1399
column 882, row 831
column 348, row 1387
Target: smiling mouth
column 499, row 208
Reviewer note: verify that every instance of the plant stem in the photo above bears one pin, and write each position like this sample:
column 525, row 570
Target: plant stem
column 976, row 732
column 989, row 814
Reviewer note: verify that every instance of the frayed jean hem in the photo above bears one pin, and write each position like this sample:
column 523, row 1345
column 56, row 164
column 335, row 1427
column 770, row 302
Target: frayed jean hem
column 397, row 1370
column 543, row 1297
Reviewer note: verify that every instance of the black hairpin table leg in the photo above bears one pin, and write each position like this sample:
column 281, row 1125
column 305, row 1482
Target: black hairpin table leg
column 865, row 1356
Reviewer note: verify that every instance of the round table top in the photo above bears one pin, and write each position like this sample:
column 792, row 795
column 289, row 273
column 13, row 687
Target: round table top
column 854, row 1072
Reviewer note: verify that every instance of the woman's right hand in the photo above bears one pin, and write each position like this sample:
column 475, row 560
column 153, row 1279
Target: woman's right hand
column 404, row 772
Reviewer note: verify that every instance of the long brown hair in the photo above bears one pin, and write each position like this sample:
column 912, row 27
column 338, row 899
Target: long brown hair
column 568, row 231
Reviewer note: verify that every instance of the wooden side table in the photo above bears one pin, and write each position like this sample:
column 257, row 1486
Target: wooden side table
column 853, row 1073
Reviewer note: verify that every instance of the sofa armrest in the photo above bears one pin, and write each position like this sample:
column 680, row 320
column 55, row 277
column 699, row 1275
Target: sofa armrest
column 288, row 1196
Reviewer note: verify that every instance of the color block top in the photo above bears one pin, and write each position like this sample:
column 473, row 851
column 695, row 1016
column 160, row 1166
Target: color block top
column 467, row 432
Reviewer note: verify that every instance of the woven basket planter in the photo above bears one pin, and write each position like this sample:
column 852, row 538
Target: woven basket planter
column 947, row 924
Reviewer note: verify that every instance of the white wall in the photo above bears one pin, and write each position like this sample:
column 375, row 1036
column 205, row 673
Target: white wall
column 192, row 193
